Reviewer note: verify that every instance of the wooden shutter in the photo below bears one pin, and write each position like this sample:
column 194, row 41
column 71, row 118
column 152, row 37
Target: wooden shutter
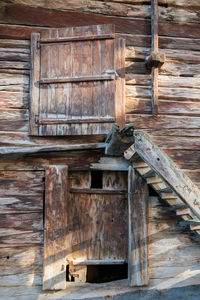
column 54, row 264
column 77, row 81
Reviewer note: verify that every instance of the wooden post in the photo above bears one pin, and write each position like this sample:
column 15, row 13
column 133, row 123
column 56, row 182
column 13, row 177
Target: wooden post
column 137, row 229
column 154, row 48
column 54, row 268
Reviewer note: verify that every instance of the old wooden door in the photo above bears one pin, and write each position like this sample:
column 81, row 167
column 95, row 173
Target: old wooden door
column 97, row 227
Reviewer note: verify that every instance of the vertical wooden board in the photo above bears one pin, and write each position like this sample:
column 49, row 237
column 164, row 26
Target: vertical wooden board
column 96, row 91
column 137, row 232
column 76, row 91
column 120, row 82
column 80, row 179
column 113, row 233
column 53, row 70
column 65, row 69
column 34, row 83
column 79, row 227
column 87, row 64
column 108, row 86
column 54, row 268
column 154, row 48
column 154, row 92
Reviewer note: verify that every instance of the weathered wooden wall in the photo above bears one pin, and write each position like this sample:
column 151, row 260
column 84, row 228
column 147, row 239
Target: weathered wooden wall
column 176, row 129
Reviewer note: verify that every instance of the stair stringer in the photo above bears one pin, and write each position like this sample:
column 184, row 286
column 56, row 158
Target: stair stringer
column 152, row 163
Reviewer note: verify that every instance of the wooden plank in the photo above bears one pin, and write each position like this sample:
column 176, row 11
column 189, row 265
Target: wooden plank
column 34, row 88
column 72, row 121
column 142, row 121
column 76, row 79
column 26, row 183
column 120, row 82
column 54, row 268
column 58, row 148
column 98, row 262
column 154, row 48
column 97, row 191
column 164, row 167
column 110, row 164
column 137, row 234
column 77, row 38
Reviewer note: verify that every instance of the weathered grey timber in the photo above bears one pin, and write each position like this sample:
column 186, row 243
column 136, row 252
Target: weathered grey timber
column 118, row 141
column 5, row 151
column 167, row 170
column 137, row 229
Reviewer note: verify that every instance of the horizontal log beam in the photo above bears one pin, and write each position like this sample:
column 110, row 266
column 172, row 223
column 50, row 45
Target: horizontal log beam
column 4, row 151
column 97, row 191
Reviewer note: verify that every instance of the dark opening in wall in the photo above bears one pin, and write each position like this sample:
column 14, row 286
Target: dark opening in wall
column 106, row 273
column 96, row 179
column 152, row 192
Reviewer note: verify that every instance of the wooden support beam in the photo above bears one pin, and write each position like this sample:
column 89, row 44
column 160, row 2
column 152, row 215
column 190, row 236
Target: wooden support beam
column 4, row 151
column 159, row 161
column 154, row 47
column 118, row 141
column 137, row 233
column 54, row 264
column 97, row 191
column 89, row 262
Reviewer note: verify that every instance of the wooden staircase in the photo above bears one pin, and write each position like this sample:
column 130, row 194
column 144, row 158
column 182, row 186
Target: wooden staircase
column 171, row 184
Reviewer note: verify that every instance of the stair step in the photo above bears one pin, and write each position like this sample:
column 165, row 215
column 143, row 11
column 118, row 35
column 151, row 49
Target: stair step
column 151, row 180
column 145, row 172
column 161, row 187
column 195, row 227
column 140, row 164
column 168, row 196
column 178, row 207
column 174, row 201
column 183, row 211
column 193, row 223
